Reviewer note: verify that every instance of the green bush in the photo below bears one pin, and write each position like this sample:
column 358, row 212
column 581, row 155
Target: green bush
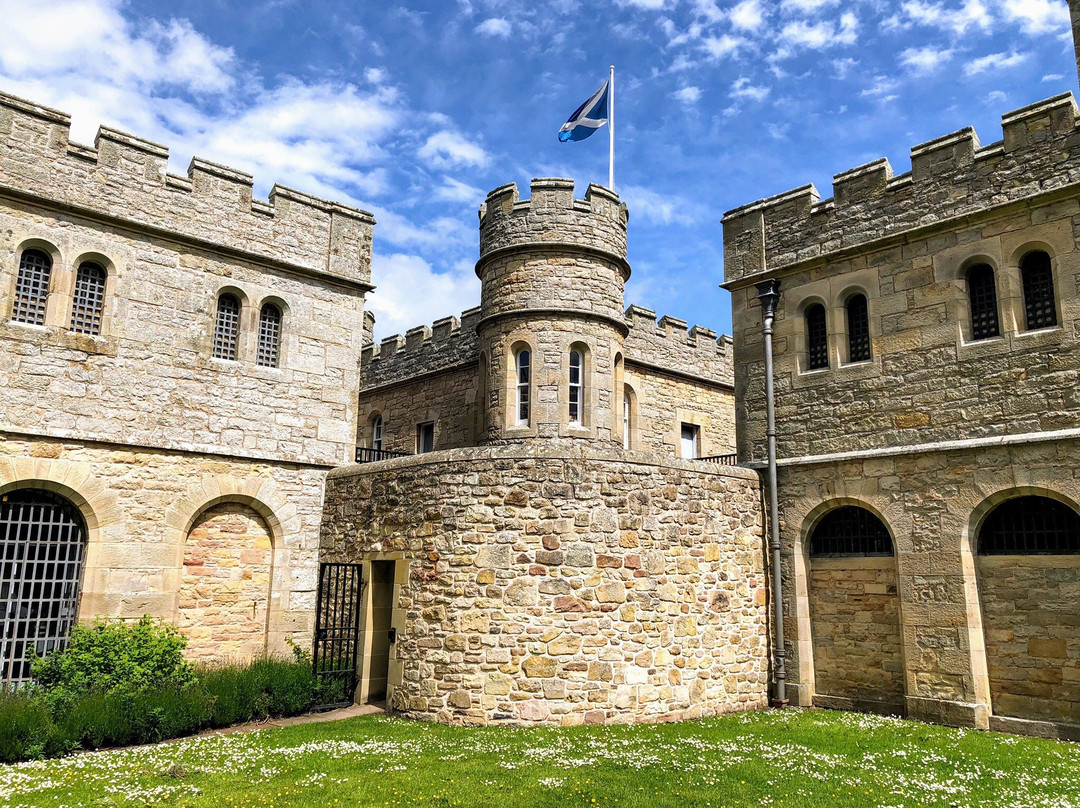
column 27, row 731
column 263, row 689
column 121, row 718
column 110, row 657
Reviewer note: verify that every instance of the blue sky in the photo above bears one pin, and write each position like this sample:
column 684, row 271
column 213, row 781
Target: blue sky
column 415, row 110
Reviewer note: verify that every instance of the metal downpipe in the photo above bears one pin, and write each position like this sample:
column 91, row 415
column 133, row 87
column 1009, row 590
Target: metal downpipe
column 769, row 295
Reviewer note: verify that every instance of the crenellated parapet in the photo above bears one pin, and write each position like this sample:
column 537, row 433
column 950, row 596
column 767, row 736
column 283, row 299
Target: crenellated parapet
column 125, row 178
column 667, row 344
column 951, row 177
column 447, row 343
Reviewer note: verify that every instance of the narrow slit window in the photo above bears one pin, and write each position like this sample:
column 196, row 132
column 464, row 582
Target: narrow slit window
column 817, row 338
column 376, row 433
column 858, row 323
column 269, row 336
column 32, row 288
column 88, row 301
column 425, row 437
column 1039, row 305
column 626, row 418
column 982, row 294
column 523, row 383
column 576, row 387
column 227, row 328
column 690, row 438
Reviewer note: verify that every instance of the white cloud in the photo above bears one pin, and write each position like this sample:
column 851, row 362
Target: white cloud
column 1037, row 16
column 844, row 66
column 649, row 206
column 924, row 60
column 972, row 13
column 743, row 89
column 882, row 89
column 410, row 292
column 1053, row 77
column 688, row 95
column 495, row 26
column 453, row 190
column 647, row 5
column 718, row 47
column 747, row 15
column 819, row 35
column 447, row 149
column 994, row 61
column 806, row 6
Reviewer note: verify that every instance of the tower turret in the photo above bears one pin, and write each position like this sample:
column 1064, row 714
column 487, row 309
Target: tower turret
column 552, row 269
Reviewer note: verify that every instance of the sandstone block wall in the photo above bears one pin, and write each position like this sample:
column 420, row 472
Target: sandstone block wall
column 662, row 402
column 542, row 586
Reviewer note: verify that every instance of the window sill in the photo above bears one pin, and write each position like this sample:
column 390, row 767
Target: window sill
column 59, row 337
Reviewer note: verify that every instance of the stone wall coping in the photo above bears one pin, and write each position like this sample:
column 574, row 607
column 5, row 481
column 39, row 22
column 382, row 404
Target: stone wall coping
column 530, row 452
column 124, row 177
column 925, row 448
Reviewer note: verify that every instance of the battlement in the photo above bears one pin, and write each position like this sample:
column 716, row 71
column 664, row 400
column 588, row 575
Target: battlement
column 124, row 177
column 446, row 343
column 668, row 344
column 553, row 216
column 950, row 176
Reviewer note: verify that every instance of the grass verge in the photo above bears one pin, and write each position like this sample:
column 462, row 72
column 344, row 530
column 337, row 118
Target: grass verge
column 790, row 758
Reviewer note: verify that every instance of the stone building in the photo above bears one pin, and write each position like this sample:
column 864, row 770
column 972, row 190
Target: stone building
column 926, row 373
column 179, row 365
column 544, row 555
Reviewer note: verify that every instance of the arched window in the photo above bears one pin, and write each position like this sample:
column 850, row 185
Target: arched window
column 42, row 541
column 32, row 288
column 88, row 302
column 982, row 295
column 850, row 531
column 577, row 386
column 628, row 417
column 521, row 365
column 1038, row 280
column 1030, row 525
column 227, row 327
column 376, row 433
column 817, row 338
column 858, row 329
column 269, row 336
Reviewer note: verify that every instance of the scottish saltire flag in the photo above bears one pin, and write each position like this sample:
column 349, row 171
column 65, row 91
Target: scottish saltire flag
column 587, row 118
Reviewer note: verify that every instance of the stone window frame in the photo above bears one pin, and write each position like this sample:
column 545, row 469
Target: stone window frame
column 243, row 330
column 629, row 416
column 584, row 424
column 802, row 336
column 514, row 387
column 283, row 330
column 829, row 514
column 1016, row 263
column 105, row 315
column 846, row 335
column 992, row 505
column 53, row 293
column 969, row 269
column 375, row 437
column 421, row 428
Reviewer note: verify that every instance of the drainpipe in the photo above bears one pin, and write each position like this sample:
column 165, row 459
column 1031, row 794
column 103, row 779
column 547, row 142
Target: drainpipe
column 769, row 295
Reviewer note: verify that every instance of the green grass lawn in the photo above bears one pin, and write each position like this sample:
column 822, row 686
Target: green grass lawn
column 790, row 758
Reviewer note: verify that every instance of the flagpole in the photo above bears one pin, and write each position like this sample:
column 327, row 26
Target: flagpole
column 611, row 129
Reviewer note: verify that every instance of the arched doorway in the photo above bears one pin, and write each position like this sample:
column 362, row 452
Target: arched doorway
column 225, row 584
column 855, row 612
column 1029, row 589
column 42, row 547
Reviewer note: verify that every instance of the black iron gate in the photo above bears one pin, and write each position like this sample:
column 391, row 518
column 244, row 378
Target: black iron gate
column 337, row 633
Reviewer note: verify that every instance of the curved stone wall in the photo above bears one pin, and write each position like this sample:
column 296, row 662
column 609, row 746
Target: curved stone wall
column 546, row 586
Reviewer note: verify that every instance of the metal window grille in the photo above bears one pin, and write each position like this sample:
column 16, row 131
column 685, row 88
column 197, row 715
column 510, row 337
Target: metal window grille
column 858, row 324
column 1038, row 281
column 575, row 387
column 982, row 294
column 850, row 531
column 1030, row 526
column 42, row 537
column 32, row 288
column 522, row 362
column 817, row 338
column 269, row 336
column 89, row 299
column 227, row 327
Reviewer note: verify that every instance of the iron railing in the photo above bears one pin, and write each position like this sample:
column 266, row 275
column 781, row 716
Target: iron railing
column 722, row 460
column 366, row 455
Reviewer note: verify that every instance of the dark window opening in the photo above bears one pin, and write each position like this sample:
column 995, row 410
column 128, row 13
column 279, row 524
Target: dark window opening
column 425, row 437
column 1038, row 279
column 982, row 294
column 88, row 301
column 269, row 336
column 858, row 324
column 227, row 327
column 817, row 338
column 850, row 531
column 1030, row 525
column 32, row 288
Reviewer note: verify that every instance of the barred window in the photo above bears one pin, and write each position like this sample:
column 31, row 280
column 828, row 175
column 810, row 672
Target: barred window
column 1030, row 525
column 89, row 299
column 817, row 338
column 982, row 293
column 32, row 288
column 858, row 325
column 521, row 364
column 227, row 328
column 850, row 531
column 577, row 387
column 1038, row 279
column 269, row 336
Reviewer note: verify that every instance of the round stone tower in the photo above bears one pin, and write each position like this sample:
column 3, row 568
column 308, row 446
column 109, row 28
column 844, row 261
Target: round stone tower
column 551, row 327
